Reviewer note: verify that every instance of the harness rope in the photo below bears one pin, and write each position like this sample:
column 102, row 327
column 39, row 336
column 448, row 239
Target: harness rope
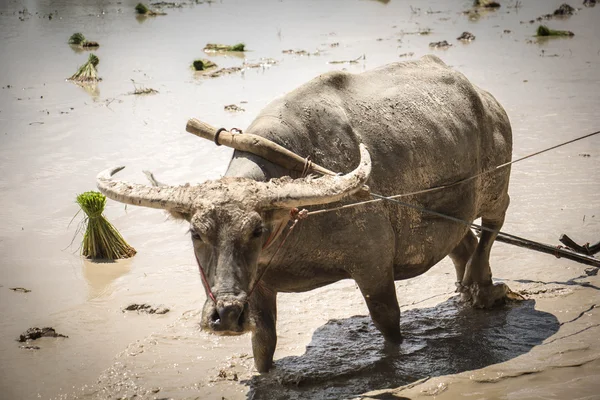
column 495, row 169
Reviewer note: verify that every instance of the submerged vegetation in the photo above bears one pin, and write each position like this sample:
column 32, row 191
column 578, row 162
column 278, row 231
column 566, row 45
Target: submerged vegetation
column 101, row 240
column 140, row 90
column 543, row 31
column 202, row 65
column 87, row 72
column 213, row 47
column 77, row 39
column 143, row 9
column 486, row 3
column 466, row 37
column 564, row 10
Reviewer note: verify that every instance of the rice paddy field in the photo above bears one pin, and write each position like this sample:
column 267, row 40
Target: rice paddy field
column 56, row 135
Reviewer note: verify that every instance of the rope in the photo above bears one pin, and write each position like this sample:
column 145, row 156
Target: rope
column 297, row 215
column 497, row 168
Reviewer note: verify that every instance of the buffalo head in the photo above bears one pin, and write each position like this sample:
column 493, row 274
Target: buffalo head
column 230, row 220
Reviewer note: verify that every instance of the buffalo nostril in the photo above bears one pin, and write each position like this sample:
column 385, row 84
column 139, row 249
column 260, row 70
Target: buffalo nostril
column 215, row 317
column 229, row 315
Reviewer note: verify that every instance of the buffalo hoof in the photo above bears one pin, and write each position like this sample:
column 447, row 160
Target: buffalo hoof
column 263, row 366
column 393, row 340
column 487, row 296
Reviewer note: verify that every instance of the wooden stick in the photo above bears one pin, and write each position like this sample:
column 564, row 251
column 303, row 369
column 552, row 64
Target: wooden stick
column 261, row 147
column 585, row 249
column 554, row 250
column 254, row 144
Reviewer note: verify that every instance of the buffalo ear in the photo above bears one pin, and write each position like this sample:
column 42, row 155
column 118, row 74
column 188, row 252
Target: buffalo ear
column 180, row 215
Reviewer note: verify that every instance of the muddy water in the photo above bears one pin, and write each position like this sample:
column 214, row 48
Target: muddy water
column 56, row 136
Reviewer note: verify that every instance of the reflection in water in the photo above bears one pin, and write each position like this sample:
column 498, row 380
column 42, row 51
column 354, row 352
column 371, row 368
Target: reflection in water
column 226, row 54
column 348, row 356
column 100, row 275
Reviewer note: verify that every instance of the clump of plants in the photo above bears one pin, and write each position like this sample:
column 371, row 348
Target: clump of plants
column 564, row 9
column 486, row 3
column 101, row 240
column 143, row 9
column 77, row 39
column 543, row 31
column 140, row 90
column 87, row 73
column 202, row 65
column 213, row 47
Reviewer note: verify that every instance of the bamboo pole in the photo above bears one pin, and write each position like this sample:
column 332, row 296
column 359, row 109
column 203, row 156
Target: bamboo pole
column 557, row 251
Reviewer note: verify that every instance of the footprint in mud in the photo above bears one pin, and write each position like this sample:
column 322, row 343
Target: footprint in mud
column 348, row 356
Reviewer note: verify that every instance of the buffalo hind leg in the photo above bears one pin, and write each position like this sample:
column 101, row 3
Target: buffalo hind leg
column 264, row 335
column 461, row 255
column 477, row 286
column 382, row 302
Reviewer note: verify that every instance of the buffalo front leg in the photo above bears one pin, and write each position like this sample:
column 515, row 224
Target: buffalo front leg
column 380, row 296
column 264, row 335
column 477, row 286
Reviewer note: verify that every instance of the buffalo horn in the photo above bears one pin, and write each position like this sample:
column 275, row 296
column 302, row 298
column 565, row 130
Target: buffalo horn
column 324, row 190
column 174, row 198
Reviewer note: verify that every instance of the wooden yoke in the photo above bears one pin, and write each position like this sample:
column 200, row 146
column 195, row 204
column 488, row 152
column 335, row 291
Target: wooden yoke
column 254, row 144
column 261, row 147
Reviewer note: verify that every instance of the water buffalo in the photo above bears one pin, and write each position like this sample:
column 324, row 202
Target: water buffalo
column 424, row 125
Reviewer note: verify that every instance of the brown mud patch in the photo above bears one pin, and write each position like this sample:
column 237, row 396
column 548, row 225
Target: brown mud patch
column 146, row 308
column 346, row 356
column 36, row 333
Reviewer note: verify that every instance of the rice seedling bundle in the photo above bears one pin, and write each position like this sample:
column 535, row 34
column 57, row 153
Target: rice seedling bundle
column 543, row 30
column 143, row 9
column 201, row 65
column 77, row 39
column 101, row 240
column 87, row 72
column 212, row 47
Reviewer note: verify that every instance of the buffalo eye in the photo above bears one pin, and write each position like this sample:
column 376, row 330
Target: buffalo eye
column 257, row 232
column 195, row 235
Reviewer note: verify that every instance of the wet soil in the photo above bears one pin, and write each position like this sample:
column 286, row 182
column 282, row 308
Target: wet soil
column 36, row 333
column 146, row 308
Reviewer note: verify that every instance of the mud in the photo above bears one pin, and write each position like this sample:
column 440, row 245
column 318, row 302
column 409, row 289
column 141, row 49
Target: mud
column 146, row 308
column 55, row 137
column 466, row 36
column 440, row 45
column 20, row 289
column 445, row 339
column 564, row 9
column 233, row 108
column 36, row 333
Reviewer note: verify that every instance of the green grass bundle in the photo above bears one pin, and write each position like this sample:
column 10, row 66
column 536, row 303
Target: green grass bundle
column 543, row 30
column 143, row 9
column 202, row 65
column 224, row 47
column 101, row 240
column 87, row 72
column 78, row 39
column 486, row 3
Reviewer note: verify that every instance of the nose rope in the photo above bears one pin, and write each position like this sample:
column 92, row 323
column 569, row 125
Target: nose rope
column 294, row 213
column 205, row 281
